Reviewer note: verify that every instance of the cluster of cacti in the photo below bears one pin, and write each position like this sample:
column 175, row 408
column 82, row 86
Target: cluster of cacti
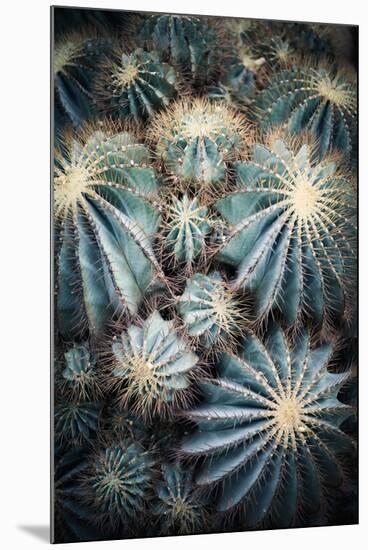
column 205, row 276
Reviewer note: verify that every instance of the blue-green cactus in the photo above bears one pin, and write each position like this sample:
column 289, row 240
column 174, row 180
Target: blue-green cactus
column 211, row 311
column 186, row 227
column 321, row 100
column 76, row 422
column 269, row 430
column 105, row 217
column 190, row 43
column 80, row 378
column 135, row 85
column 180, row 510
column 151, row 366
column 196, row 138
column 292, row 232
column 74, row 67
column 118, row 483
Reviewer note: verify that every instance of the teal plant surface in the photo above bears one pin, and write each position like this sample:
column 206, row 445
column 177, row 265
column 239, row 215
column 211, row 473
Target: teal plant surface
column 292, row 231
column 321, row 100
column 152, row 366
column 76, row 422
column 269, row 430
column 80, row 377
column 135, row 85
column 105, row 214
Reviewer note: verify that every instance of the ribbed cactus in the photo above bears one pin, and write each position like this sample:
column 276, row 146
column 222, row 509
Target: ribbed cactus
column 321, row 100
column 291, row 231
column 151, row 367
column 135, row 85
column 180, row 508
column 187, row 224
column 190, row 43
column 269, row 430
column 211, row 311
column 118, row 482
column 195, row 139
column 105, row 215
column 205, row 274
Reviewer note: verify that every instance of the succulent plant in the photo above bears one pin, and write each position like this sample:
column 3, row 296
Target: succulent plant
column 118, row 482
column 186, row 227
column 151, row 367
column 321, row 100
column 190, row 43
column 196, row 138
column 105, row 216
column 74, row 66
column 80, row 378
column 268, row 430
column 76, row 422
column 135, row 85
column 291, row 231
column 211, row 311
column 180, row 510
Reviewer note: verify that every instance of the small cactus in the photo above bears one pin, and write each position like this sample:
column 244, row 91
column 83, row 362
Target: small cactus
column 292, row 231
column 269, row 432
column 80, row 379
column 76, row 422
column 135, row 85
column 151, row 367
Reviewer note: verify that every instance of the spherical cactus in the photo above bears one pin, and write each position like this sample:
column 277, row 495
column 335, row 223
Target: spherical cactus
column 74, row 67
column 269, row 431
column 180, row 509
column 190, row 43
column 104, row 213
column 321, row 100
column 80, row 378
column 292, row 231
column 135, row 85
column 151, row 367
column 196, row 138
column 117, row 483
column 76, row 422
column 186, row 226
column 211, row 311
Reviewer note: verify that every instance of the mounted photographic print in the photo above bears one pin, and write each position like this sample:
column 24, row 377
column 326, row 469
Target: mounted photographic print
column 205, row 274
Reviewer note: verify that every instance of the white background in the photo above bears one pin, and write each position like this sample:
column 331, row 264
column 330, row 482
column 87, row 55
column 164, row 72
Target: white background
column 24, row 253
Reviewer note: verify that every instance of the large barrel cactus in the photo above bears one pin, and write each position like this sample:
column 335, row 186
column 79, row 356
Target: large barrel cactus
column 321, row 100
column 151, row 366
column 195, row 140
column 291, row 231
column 105, row 217
column 135, row 85
column 269, row 430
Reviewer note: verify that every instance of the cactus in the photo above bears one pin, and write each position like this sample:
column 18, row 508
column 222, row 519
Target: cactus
column 189, row 43
column 291, row 231
column 74, row 66
column 80, row 378
column 269, row 430
column 180, row 509
column 211, row 312
column 321, row 100
column 151, row 367
column 104, row 216
column 135, row 85
column 118, row 482
column 76, row 423
column 186, row 227
column 196, row 138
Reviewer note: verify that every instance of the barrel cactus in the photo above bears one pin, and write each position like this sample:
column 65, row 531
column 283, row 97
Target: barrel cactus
column 269, row 430
column 151, row 367
column 291, row 231
column 105, row 214
column 135, row 85
column 80, row 378
column 196, row 139
column 180, row 508
column 76, row 422
column 118, row 482
column 321, row 100
column 211, row 311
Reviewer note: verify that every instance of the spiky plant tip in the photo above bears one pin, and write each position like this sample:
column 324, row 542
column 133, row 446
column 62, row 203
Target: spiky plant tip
column 80, row 379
